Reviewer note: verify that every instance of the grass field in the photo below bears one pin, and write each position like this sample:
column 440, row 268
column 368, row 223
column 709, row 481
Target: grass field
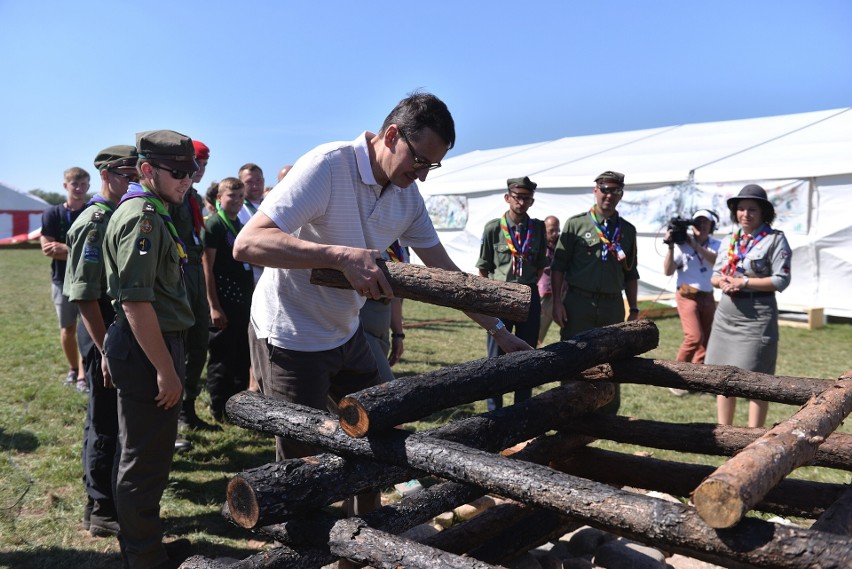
column 42, row 497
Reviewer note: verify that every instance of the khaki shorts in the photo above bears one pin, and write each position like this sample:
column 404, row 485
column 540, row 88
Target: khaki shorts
column 66, row 311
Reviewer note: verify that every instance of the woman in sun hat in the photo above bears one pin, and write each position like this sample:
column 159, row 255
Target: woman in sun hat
column 755, row 267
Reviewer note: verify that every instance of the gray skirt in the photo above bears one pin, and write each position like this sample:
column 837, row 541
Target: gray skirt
column 745, row 333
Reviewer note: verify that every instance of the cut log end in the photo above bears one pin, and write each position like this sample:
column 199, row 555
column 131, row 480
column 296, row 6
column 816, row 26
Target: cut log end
column 242, row 502
column 354, row 419
column 719, row 504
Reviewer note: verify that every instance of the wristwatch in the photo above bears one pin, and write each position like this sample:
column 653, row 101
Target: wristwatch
column 497, row 327
column 634, row 309
column 745, row 282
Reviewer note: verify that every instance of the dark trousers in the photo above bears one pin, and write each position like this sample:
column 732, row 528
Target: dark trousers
column 196, row 336
column 147, row 438
column 100, row 439
column 526, row 331
column 228, row 365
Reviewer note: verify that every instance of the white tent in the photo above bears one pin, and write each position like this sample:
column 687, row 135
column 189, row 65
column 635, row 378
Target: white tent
column 20, row 213
column 804, row 161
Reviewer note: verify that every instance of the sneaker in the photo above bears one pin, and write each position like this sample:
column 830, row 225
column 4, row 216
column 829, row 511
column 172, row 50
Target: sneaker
column 102, row 527
column 82, row 386
column 182, row 445
column 71, row 378
column 87, row 514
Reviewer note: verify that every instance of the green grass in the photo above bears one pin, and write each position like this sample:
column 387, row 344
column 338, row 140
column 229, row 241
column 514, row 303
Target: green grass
column 41, row 495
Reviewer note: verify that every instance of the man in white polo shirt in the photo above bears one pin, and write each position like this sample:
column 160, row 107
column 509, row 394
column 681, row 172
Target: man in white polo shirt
column 340, row 205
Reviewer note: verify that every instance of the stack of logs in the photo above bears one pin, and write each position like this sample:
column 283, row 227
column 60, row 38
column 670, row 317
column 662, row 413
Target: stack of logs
column 558, row 479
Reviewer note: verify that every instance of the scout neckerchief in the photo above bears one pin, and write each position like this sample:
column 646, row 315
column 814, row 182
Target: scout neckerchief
column 519, row 249
column 136, row 190
column 197, row 218
column 741, row 244
column 102, row 203
column 395, row 252
column 610, row 238
column 251, row 207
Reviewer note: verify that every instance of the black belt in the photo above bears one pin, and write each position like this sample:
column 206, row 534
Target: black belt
column 758, row 294
column 595, row 295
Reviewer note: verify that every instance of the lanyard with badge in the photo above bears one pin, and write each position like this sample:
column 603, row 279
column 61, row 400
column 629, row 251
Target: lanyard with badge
column 611, row 240
column 519, row 249
column 137, row 191
column 230, row 227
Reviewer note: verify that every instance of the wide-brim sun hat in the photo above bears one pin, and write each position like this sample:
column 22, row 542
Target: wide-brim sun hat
column 750, row 192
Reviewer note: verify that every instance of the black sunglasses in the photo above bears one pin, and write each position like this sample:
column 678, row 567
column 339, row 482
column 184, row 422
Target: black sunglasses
column 134, row 177
column 176, row 174
column 615, row 190
column 419, row 162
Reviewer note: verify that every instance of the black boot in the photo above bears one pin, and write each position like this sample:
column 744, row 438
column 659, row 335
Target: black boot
column 189, row 418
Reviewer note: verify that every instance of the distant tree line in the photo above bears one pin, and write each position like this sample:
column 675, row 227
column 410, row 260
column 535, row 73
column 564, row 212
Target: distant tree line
column 52, row 198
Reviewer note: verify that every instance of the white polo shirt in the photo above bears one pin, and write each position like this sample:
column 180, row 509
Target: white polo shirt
column 331, row 197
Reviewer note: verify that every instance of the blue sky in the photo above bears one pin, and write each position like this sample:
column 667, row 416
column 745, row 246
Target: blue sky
column 266, row 81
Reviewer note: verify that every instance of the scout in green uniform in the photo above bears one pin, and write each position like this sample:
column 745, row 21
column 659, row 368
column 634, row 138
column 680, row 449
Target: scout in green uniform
column 85, row 285
column 144, row 347
column 596, row 257
column 190, row 226
column 514, row 249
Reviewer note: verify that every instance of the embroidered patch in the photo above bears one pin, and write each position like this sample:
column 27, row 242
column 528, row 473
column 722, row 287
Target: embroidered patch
column 98, row 217
column 92, row 254
column 148, row 208
column 145, row 226
column 143, row 244
column 92, row 236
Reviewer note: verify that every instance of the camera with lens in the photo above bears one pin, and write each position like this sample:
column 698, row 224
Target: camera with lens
column 677, row 230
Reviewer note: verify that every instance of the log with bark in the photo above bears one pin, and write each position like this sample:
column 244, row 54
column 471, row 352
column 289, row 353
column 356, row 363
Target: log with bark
column 277, row 558
column 739, row 484
column 678, row 528
column 355, row 540
column 453, row 289
column 700, row 438
column 412, row 398
column 721, row 380
column 269, row 493
column 791, row 497
column 838, row 517
column 461, row 537
column 537, row 527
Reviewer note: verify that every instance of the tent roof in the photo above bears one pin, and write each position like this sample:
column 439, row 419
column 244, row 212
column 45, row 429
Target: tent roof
column 13, row 199
column 786, row 146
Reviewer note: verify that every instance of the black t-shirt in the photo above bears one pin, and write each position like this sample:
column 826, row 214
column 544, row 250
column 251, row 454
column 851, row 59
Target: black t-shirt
column 55, row 222
column 234, row 279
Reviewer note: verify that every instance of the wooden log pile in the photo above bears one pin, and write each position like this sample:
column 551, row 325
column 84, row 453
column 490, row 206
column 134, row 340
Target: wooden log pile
column 536, row 454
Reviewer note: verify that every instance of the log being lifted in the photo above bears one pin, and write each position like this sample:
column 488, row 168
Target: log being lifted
column 722, row 380
column 453, row 289
column 412, row 398
column 700, row 438
column 739, row 484
column 674, row 526
column 269, row 493
column 791, row 497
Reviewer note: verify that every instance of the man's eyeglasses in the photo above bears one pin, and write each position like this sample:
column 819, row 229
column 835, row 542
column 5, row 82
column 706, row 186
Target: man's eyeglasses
column 176, row 174
column 133, row 177
column 614, row 190
column 521, row 199
column 419, row 162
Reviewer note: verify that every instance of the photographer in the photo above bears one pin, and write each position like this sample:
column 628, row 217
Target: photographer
column 693, row 255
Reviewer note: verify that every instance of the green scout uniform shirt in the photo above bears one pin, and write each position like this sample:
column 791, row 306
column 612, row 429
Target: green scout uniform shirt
column 496, row 259
column 85, row 278
column 578, row 255
column 143, row 265
column 182, row 219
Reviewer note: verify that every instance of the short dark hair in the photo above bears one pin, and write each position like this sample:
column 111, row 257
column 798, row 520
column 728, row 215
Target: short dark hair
column 423, row 110
column 251, row 167
column 767, row 211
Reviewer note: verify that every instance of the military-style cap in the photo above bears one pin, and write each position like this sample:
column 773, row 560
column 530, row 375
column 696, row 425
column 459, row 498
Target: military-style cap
column 116, row 156
column 167, row 148
column 617, row 177
column 202, row 151
column 524, row 182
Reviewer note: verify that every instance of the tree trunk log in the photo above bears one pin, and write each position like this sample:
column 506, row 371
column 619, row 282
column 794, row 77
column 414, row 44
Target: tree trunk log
column 739, row 484
column 454, row 289
column 269, row 493
column 641, row 518
column 278, row 558
column 722, row 380
column 538, row 526
column 791, row 497
column 700, row 438
column 355, row 540
column 412, row 398
column 461, row 538
column 838, row 517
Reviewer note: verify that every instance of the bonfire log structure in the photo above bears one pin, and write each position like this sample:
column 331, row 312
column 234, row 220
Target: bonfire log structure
column 463, row 454
column 453, row 289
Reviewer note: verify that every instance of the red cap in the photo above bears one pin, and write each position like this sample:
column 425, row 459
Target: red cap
column 202, row 152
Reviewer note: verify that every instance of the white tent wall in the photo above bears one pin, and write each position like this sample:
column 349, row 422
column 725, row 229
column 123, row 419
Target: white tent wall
column 13, row 202
column 812, row 199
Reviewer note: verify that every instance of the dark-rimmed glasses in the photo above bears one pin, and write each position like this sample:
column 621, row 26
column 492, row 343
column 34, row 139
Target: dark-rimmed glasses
column 420, row 163
column 176, row 174
column 614, row 190
column 522, row 199
column 133, row 177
